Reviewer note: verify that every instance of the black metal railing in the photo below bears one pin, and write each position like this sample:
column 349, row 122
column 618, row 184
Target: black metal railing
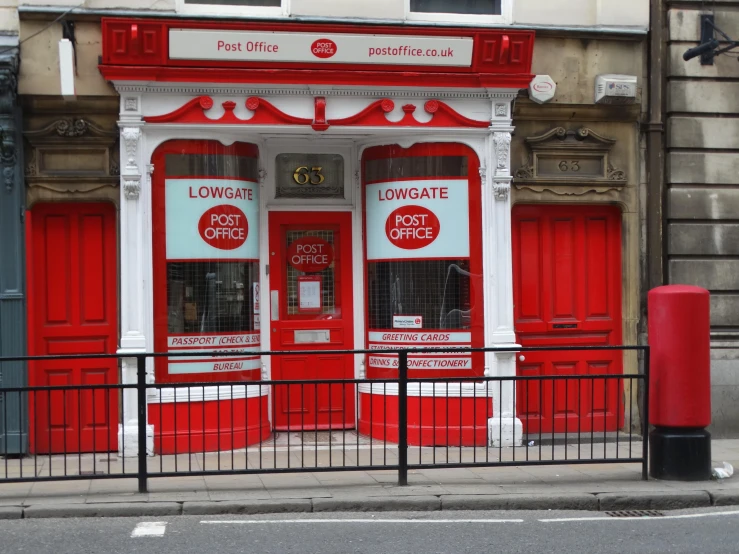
column 275, row 426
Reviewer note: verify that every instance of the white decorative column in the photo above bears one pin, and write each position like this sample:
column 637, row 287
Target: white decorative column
column 132, row 301
column 504, row 428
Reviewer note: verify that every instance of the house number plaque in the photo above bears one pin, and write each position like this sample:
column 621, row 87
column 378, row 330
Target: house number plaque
column 301, row 175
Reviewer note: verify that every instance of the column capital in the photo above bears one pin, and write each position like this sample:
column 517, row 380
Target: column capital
column 130, row 135
column 131, row 186
column 501, row 188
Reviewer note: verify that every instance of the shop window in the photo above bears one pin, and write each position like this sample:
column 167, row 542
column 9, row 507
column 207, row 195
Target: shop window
column 467, row 7
column 423, row 256
column 206, row 260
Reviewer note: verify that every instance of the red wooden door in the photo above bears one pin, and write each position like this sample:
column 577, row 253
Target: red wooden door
column 73, row 310
column 567, row 291
column 310, row 275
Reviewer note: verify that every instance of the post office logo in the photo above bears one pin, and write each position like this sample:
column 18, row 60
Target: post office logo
column 323, row 48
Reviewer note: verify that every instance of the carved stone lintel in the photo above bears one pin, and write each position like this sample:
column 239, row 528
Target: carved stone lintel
column 31, row 164
column 130, row 136
column 72, row 127
column 615, row 174
column 570, row 158
column 501, row 189
column 502, row 143
column 132, row 186
column 526, row 171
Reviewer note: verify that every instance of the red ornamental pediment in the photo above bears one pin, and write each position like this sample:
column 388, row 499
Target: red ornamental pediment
column 265, row 113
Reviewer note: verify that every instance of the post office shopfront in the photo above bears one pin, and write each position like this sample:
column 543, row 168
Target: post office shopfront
column 315, row 188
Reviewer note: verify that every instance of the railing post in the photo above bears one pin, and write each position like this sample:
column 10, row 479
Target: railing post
column 645, row 419
column 402, row 418
column 141, row 395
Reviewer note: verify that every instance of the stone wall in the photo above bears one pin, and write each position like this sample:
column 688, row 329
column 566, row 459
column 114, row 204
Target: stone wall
column 702, row 189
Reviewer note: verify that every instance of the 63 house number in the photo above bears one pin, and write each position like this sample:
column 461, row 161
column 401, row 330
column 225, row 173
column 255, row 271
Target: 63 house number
column 304, row 176
column 573, row 165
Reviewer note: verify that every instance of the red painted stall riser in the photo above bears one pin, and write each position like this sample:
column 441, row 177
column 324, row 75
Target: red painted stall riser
column 439, row 421
column 213, row 425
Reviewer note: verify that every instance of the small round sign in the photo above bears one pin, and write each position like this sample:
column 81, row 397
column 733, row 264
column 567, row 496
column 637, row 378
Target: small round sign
column 310, row 254
column 323, row 48
column 412, row 227
column 542, row 88
column 224, row 227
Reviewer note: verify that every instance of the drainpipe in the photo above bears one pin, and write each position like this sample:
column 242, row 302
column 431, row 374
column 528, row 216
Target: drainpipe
column 656, row 200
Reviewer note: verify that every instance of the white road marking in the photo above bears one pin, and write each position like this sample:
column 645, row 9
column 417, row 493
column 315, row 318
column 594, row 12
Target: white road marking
column 263, row 521
column 149, row 529
column 653, row 518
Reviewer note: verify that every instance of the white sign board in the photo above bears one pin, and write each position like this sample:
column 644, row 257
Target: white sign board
column 389, row 340
column 238, row 343
column 407, row 322
column 200, row 44
column 423, row 219
column 212, row 219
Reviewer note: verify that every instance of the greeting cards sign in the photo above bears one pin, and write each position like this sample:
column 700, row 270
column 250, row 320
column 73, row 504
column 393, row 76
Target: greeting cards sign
column 419, row 219
column 212, row 219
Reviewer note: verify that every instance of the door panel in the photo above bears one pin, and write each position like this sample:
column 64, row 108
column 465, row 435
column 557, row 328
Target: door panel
column 567, row 291
column 73, row 311
column 311, row 276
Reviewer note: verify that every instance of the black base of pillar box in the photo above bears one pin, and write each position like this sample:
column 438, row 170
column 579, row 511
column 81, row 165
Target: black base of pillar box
column 680, row 454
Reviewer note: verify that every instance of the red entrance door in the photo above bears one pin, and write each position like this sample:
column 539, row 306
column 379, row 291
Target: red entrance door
column 73, row 310
column 310, row 275
column 567, row 291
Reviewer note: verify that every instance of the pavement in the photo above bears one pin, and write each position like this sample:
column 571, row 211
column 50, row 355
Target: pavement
column 592, row 487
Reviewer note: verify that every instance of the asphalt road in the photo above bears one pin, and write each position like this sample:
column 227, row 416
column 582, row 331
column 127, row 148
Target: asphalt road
column 711, row 530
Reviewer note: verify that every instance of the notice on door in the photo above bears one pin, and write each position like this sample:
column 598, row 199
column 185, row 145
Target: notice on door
column 309, row 294
column 417, row 219
column 212, row 219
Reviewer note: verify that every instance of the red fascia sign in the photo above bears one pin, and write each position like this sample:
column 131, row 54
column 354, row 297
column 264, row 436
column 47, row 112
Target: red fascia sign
column 228, row 45
column 310, row 254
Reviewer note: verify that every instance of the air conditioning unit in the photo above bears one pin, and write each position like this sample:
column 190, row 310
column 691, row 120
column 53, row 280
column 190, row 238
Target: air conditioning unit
column 615, row 89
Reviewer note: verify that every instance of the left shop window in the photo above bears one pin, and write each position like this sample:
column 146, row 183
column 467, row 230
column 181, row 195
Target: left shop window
column 206, row 260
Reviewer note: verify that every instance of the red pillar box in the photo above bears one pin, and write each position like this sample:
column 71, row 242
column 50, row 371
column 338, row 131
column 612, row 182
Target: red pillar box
column 679, row 383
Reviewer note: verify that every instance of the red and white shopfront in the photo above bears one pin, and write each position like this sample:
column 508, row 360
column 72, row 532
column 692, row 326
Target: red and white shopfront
column 315, row 187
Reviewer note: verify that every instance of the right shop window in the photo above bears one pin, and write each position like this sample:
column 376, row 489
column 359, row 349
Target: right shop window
column 423, row 254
